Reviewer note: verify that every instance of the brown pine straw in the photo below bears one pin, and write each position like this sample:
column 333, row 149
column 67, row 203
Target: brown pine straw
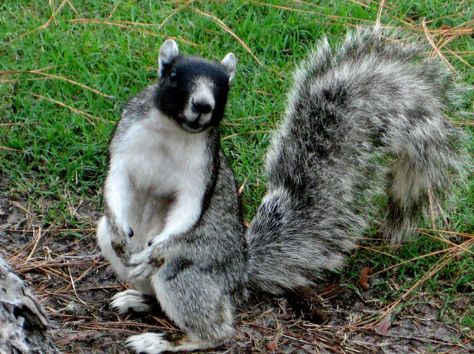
column 452, row 253
column 456, row 233
column 63, row 78
column 17, row 72
column 227, row 137
column 52, row 17
column 360, row 3
column 354, row 21
column 12, row 81
column 55, row 230
column 222, row 25
column 429, row 37
column 409, row 261
column 72, row 7
column 447, row 241
column 457, row 56
column 62, row 272
column 14, row 124
column 131, row 26
column 89, row 117
column 9, row 149
column 373, row 249
column 36, row 239
column 379, row 13
column 311, row 12
column 169, row 17
column 433, row 270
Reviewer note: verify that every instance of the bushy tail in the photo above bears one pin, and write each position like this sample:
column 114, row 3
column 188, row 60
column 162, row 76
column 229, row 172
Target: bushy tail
column 363, row 120
column 428, row 161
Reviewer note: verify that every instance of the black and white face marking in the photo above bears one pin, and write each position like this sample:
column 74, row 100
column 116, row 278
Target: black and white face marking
column 193, row 91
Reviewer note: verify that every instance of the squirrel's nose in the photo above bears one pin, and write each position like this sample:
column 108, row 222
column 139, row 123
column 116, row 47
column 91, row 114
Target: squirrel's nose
column 202, row 106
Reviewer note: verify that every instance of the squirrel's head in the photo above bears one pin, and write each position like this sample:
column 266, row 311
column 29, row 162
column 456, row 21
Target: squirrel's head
column 193, row 91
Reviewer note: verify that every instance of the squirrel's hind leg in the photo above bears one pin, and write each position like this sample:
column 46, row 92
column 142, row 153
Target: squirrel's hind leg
column 133, row 301
column 154, row 343
column 196, row 303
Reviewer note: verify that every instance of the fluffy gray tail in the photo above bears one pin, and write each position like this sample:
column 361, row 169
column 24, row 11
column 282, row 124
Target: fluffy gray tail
column 363, row 120
column 427, row 162
column 426, row 152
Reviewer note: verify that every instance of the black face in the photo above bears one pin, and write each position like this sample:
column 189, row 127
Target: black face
column 176, row 90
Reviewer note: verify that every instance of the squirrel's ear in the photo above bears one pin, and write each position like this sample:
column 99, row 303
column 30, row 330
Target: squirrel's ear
column 168, row 51
column 230, row 64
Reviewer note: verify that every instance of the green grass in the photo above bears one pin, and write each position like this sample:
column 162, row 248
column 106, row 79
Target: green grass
column 54, row 160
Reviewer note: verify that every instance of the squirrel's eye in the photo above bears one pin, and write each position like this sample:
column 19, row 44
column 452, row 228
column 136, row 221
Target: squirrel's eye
column 173, row 75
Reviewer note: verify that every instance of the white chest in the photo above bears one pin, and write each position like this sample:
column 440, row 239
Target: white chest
column 160, row 157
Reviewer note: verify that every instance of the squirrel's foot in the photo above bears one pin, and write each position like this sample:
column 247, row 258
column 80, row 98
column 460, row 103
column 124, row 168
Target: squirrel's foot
column 149, row 343
column 153, row 343
column 130, row 300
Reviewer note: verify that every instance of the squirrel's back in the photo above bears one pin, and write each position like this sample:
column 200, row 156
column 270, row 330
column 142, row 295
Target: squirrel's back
column 363, row 119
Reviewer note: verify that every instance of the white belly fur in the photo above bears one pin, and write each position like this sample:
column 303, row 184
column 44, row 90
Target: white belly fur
column 160, row 160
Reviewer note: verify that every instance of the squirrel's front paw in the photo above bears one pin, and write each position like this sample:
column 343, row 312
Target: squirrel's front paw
column 122, row 232
column 120, row 246
column 124, row 229
column 143, row 264
column 119, row 226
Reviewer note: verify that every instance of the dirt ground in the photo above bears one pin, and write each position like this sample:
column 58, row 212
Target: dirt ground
column 75, row 284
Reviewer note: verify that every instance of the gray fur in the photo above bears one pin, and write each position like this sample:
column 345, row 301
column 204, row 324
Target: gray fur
column 205, row 267
column 363, row 120
column 197, row 275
